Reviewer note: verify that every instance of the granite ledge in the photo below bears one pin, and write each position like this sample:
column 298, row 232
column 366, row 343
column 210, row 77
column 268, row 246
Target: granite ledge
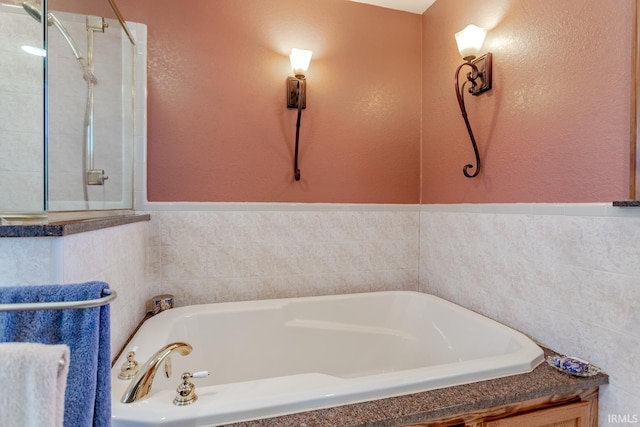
column 627, row 204
column 65, row 228
column 429, row 405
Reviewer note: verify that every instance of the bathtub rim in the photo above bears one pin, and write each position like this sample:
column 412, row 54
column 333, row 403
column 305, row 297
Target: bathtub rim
column 275, row 410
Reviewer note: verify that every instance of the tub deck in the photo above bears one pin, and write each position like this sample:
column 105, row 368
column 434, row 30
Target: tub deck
column 275, row 357
column 452, row 405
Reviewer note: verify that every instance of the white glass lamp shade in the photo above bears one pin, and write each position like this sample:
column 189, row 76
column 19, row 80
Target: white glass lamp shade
column 470, row 41
column 300, row 60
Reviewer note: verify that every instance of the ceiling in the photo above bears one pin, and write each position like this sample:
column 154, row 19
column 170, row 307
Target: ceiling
column 413, row 6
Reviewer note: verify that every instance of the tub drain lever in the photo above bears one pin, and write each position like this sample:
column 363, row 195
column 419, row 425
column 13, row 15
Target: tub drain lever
column 186, row 391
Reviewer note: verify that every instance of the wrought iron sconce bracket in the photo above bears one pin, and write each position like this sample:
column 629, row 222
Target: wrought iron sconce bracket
column 480, row 79
column 297, row 94
column 296, row 98
column 296, row 91
column 480, row 74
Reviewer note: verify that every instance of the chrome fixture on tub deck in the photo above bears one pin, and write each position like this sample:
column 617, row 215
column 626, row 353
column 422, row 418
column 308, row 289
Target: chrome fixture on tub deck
column 159, row 303
column 129, row 368
column 141, row 384
column 186, row 391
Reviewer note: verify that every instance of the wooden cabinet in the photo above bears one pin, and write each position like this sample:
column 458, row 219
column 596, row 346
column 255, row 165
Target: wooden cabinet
column 570, row 415
column 572, row 410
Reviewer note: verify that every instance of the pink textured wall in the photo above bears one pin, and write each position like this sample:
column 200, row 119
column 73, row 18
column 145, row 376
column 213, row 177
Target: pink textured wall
column 555, row 127
column 219, row 129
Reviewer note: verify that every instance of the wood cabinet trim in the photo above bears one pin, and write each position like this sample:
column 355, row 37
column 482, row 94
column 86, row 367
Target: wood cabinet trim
column 586, row 400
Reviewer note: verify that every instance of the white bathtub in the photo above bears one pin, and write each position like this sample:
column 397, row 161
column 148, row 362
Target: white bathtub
column 275, row 357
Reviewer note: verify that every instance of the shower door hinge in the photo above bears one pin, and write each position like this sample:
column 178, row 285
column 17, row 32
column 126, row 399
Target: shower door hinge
column 96, row 23
column 96, row 177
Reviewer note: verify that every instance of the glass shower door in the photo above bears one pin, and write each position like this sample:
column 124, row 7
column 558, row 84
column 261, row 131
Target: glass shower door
column 22, row 155
column 90, row 110
column 66, row 108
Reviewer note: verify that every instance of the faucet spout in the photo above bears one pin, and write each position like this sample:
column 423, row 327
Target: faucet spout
column 141, row 384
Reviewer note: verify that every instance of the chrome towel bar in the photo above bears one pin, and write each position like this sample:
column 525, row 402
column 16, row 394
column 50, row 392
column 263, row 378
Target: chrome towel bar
column 108, row 296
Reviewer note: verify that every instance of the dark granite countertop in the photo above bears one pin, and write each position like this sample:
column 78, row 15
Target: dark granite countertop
column 429, row 405
column 627, row 204
column 65, row 228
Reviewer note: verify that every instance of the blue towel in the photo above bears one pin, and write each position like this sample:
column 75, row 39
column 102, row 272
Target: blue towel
column 85, row 331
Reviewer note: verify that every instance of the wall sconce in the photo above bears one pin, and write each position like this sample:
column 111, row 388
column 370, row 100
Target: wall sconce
column 470, row 42
column 297, row 93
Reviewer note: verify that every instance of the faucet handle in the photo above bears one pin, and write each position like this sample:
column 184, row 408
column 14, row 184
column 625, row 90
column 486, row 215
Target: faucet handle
column 130, row 367
column 200, row 374
column 186, row 391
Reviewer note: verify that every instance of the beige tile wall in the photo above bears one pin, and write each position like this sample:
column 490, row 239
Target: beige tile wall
column 114, row 255
column 215, row 256
column 28, row 261
column 117, row 256
column 568, row 276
